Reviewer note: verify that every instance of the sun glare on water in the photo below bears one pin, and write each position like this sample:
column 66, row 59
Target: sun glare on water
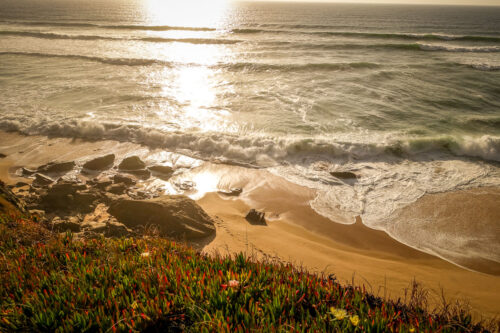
column 187, row 13
column 192, row 81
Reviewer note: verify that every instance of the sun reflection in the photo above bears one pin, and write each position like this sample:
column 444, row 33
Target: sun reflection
column 186, row 13
column 191, row 87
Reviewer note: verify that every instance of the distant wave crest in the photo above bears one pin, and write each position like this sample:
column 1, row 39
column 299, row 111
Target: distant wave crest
column 97, row 37
column 120, row 27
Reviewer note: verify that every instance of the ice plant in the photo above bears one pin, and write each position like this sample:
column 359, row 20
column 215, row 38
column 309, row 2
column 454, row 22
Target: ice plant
column 354, row 320
column 339, row 314
column 109, row 286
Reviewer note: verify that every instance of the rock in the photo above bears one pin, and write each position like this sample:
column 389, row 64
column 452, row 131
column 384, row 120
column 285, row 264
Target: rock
column 54, row 167
column 100, row 163
column 343, row 174
column 103, row 184
column 9, row 203
column 3, row 155
column 256, row 217
column 174, row 216
column 132, row 163
column 115, row 229
column 38, row 214
column 185, row 185
column 162, row 171
column 117, row 188
column 69, row 197
column 65, row 225
column 141, row 173
column 119, row 179
column 234, row 191
column 27, row 172
column 42, row 180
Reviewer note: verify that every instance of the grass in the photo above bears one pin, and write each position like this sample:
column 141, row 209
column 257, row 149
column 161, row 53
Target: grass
column 53, row 283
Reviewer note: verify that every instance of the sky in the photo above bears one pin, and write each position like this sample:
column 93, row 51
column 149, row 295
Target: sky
column 427, row 2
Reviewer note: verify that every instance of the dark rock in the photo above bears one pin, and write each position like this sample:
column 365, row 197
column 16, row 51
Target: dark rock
column 3, row 155
column 69, row 197
column 142, row 173
column 42, row 180
column 27, row 172
column 132, row 163
column 103, row 184
column 119, row 179
column 174, row 216
column 115, row 229
column 234, row 191
column 162, row 171
column 9, row 203
column 117, row 188
column 256, row 217
column 54, row 167
column 100, row 163
column 65, row 225
column 343, row 174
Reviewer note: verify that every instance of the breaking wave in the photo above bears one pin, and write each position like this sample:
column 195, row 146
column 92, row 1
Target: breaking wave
column 252, row 150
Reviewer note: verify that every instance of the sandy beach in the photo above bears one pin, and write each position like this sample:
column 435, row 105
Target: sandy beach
column 295, row 232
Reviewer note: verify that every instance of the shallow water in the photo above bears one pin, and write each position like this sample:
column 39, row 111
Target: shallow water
column 407, row 97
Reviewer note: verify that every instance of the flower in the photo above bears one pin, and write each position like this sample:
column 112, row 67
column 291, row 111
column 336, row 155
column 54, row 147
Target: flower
column 354, row 320
column 412, row 329
column 145, row 254
column 338, row 313
column 234, row 283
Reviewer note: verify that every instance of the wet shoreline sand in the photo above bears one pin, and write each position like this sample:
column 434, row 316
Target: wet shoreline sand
column 294, row 232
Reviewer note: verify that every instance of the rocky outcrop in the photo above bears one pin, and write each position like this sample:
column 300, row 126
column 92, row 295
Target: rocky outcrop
column 162, row 171
column 9, row 203
column 60, row 225
column 119, row 179
column 69, row 197
column 132, row 163
column 174, row 216
column 256, row 217
column 56, row 167
column 41, row 180
column 100, row 163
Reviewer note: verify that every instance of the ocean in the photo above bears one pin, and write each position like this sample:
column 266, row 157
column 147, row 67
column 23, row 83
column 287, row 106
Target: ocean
column 407, row 97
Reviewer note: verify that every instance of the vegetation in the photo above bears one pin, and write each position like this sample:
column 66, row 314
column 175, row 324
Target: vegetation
column 55, row 283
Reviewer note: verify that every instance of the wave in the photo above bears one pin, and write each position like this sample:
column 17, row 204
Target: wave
column 407, row 36
column 118, row 27
column 109, row 61
column 259, row 67
column 96, row 37
column 251, row 150
column 410, row 46
column 249, row 67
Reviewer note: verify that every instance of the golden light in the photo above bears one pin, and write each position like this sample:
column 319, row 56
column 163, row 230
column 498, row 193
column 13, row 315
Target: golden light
column 186, row 13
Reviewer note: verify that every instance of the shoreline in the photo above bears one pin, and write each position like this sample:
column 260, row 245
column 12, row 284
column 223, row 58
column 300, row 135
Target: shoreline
column 294, row 232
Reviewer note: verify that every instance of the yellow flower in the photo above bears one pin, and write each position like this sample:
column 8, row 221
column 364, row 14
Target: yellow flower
column 338, row 313
column 412, row 329
column 354, row 320
column 145, row 254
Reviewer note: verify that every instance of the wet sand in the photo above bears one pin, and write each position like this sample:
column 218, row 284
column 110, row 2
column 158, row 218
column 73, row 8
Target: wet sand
column 295, row 232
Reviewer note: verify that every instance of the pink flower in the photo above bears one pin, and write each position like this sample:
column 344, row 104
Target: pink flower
column 234, row 283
